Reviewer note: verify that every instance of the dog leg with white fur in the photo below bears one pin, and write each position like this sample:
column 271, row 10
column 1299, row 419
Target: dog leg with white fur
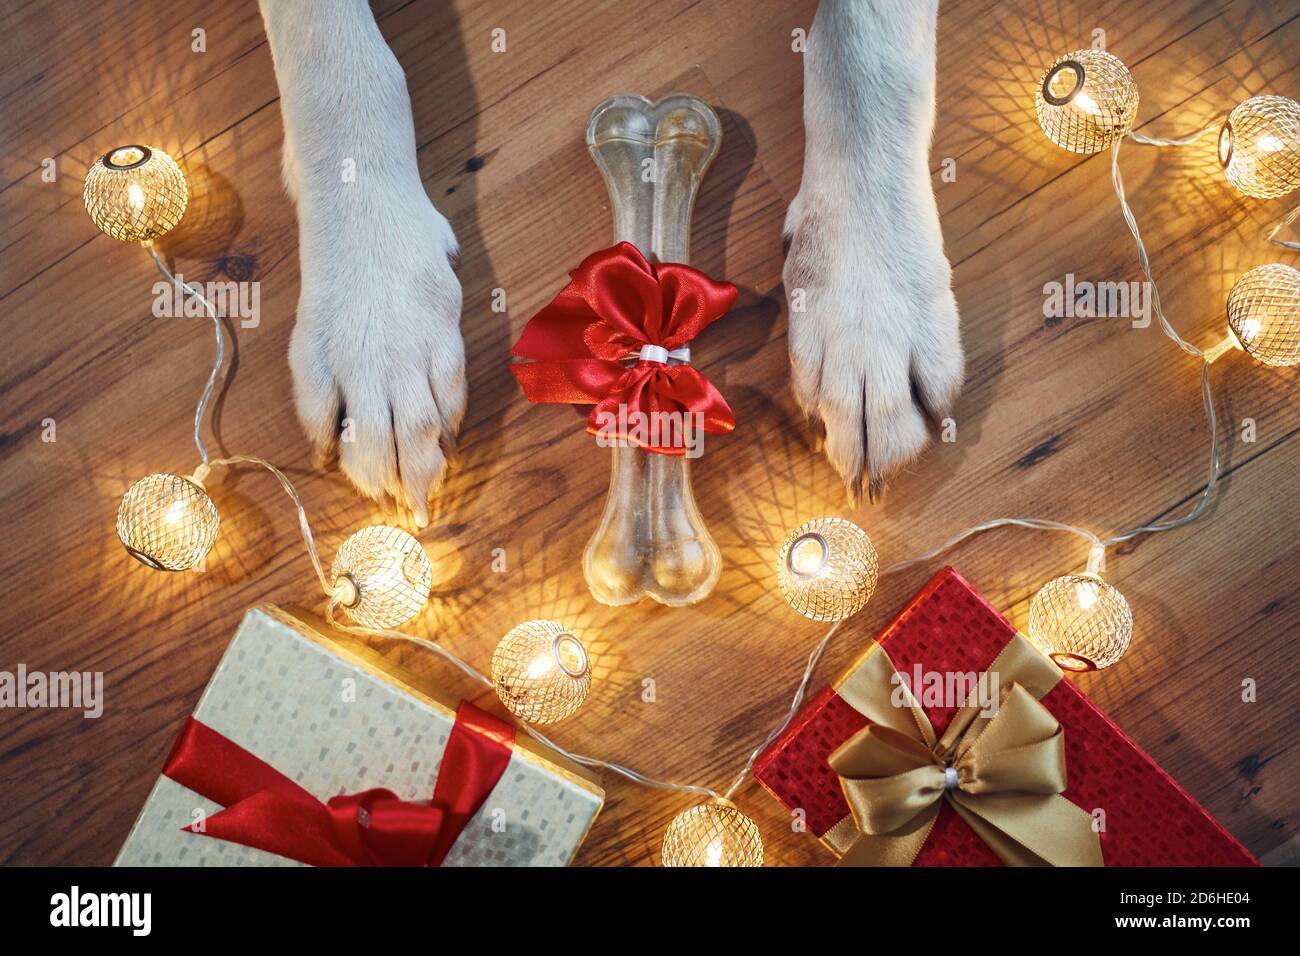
column 376, row 355
column 874, row 339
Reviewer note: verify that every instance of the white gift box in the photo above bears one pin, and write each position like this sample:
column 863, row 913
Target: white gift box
column 334, row 721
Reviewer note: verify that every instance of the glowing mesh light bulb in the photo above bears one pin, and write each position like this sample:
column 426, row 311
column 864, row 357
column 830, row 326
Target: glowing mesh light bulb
column 167, row 522
column 541, row 672
column 1086, row 101
column 712, row 834
column 827, row 569
column 1259, row 146
column 136, row 193
column 1081, row 622
column 382, row 577
column 1264, row 314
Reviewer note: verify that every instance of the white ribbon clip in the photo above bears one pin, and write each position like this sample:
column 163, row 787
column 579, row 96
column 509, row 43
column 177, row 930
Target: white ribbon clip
column 950, row 778
column 661, row 355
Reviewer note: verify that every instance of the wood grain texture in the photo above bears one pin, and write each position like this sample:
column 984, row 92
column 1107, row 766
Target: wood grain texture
column 1082, row 420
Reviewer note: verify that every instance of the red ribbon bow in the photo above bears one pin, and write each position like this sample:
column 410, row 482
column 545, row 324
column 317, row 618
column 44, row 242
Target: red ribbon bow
column 615, row 304
column 266, row 810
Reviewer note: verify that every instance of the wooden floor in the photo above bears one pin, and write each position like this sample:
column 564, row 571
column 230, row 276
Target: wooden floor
column 1083, row 420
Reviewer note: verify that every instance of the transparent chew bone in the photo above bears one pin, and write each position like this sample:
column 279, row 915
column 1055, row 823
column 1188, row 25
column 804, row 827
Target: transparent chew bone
column 651, row 541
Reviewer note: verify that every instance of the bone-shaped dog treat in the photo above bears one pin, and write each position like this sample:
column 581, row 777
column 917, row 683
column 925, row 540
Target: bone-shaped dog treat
column 652, row 541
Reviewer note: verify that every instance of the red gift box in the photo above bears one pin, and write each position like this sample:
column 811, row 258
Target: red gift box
column 949, row 628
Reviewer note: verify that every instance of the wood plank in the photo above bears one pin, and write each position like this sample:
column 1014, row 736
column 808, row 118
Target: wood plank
column 1085, row 420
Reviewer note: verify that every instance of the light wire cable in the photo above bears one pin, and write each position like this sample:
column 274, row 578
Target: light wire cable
column 1273, row 230
column 304, row 527
column 217, row 362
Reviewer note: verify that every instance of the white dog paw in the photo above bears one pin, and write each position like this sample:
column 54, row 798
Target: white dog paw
column 377, row 358
column 874, row 339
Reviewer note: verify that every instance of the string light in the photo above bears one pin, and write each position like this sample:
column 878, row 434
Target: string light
column 381, row 577
column 1264, row 314
column 167, row 522
column 1086, row 101
column 1259, row 146
column 541, row 672
column 136, row 193
column 1081, row 622
column 1278, row 226
column 827, row 569
column 712, row 834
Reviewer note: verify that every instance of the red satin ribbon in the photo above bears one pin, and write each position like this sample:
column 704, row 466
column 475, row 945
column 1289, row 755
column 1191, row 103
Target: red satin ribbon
column 266, row 810
column 615, row 303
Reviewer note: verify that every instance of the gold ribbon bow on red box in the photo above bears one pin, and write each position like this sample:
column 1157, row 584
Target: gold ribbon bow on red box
column 1004, row 773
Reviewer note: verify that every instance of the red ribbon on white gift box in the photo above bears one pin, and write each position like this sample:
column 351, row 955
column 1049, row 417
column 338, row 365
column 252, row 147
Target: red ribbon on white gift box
column 266, row 810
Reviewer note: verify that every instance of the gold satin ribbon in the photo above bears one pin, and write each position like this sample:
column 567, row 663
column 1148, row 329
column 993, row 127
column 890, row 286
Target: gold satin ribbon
column 1009, row 770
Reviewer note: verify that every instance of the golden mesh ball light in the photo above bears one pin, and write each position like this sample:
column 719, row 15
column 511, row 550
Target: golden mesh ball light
column 1259, row 146
column 1264, row 314
column 382, row 577
column 1080, row 622
column 712, row 834
column 827, row 569
column 167, row 522
column 136, row 193
column 1086, row 101
column 541, row 672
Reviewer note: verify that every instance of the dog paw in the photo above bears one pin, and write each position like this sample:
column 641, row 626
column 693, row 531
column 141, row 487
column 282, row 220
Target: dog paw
column 377, row 358
column 874, row 339
column 376, row 355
